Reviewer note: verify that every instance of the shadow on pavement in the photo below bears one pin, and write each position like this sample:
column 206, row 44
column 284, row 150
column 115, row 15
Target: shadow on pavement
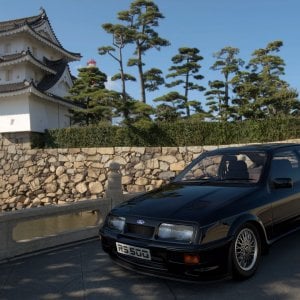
column 85, row 272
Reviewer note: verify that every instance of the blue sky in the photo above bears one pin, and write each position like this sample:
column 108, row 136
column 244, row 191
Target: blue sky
column 206, row 24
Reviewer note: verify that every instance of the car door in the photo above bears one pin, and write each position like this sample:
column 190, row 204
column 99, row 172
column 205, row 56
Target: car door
column 286, row 199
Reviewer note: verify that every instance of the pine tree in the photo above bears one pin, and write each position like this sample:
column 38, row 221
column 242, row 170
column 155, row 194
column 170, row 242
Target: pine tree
column 186, row 68
column 90, row 93
column 153, row 79
column 142, row 17
column 215, row 99
column 167, row 113
column 263, row 92
column 121, row 36
column 219, row 94
column 173, row 103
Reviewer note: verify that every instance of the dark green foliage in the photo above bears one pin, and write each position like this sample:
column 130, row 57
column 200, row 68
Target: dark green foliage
column 90, row 94
column 153, row 79
column 185, row 73
column 218, row 96
column 260, row 91
column 81, row 136
column 165, row 112
column 37, row 140
column 121, row 37
column 180, row 133
column 141, row 19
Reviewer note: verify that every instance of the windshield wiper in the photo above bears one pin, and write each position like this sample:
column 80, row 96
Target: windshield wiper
column 237, row 179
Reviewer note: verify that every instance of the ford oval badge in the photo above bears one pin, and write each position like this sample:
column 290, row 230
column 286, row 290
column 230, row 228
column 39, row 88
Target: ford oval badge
column 141, row 222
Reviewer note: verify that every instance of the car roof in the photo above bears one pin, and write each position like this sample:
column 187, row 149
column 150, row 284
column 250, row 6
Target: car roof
column 269, row 147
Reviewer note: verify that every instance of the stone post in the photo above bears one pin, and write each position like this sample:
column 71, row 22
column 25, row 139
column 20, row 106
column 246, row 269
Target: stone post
column 114, row 192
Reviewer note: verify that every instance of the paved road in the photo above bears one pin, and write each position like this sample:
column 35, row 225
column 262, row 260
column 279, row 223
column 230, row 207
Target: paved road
column 85, row 272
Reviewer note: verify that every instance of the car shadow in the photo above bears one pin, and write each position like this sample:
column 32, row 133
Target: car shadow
column 86, row 272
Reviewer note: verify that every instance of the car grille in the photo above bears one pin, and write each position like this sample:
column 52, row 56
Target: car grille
column 140, row 230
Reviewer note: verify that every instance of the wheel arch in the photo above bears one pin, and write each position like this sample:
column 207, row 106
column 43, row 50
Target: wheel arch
column 253, row 220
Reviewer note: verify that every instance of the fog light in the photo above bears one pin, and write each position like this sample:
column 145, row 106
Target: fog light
column 191, row 259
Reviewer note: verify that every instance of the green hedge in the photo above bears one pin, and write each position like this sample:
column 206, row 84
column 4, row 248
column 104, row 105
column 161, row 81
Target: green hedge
column 181, row 133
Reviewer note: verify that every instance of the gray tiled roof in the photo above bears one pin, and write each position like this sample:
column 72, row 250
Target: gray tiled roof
column 53, row 69
column 32, row 23
column 56, row 68
column 28, row 56
column 12, row 24
column 49, row 80
column 11, row 57
column 14, row 87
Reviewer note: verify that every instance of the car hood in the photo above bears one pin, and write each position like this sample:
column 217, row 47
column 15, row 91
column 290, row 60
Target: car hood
column 189, row 202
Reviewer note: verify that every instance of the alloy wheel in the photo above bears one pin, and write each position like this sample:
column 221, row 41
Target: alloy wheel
column 246, row 249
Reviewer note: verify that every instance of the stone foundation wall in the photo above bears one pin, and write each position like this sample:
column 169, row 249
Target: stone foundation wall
column 19, row 140
column 39, row 177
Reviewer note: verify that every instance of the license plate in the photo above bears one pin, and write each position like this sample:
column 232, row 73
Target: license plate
column 133, row 251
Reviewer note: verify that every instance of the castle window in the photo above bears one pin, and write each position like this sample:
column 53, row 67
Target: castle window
column 8, row 75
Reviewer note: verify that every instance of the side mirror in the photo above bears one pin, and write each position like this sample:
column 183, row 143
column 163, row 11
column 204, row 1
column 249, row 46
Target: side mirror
column 282, row 183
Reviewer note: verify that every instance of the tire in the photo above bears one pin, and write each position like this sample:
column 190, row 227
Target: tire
column 245, row 252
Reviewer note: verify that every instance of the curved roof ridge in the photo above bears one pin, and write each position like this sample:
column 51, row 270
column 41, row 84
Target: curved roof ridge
column 51, row 79
column 10, row 27
column 28, row 28
column 6, row 25
column 44, row 19
column 16, row 56
column 45, row 16
column 12, row 87
column 29, row 86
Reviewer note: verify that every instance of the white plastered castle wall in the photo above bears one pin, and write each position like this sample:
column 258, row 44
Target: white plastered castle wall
column 14, row 114
column 62, row 87
column 47, row 115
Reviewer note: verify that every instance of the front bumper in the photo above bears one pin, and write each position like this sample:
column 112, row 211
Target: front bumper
column 167, row 259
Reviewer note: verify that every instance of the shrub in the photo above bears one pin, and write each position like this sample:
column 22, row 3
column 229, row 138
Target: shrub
column 180, row 133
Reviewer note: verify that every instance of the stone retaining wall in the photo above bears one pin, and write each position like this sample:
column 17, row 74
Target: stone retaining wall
column 39, row 177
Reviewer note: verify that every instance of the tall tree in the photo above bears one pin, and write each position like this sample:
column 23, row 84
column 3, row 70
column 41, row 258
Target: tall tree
column 121, row 37
column 173, row 102
column 90, row 93
column 186, row 68
column 215, row 99
column 142, row 17
column 153, row 79
column 165, row 112
column 268, row 95
column 141, row 112
column 228, row 64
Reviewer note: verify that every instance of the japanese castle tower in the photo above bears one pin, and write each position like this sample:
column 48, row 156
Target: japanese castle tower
column 34, row 77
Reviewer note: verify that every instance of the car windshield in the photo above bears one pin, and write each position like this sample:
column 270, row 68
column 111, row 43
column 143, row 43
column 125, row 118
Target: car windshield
column 231, row 167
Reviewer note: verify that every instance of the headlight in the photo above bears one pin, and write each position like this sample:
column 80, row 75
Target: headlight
column 183, row 233
column 115, row 222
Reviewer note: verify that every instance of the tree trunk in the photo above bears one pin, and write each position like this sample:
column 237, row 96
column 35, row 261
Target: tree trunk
column 140, row 68
column 186, row 93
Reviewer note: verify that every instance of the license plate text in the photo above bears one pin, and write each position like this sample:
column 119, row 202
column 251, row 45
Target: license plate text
column 133, row 251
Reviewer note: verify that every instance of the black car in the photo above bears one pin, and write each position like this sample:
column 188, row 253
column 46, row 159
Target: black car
column 217, row 217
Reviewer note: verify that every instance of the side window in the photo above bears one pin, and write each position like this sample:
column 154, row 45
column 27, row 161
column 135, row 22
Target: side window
column 285, row 165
